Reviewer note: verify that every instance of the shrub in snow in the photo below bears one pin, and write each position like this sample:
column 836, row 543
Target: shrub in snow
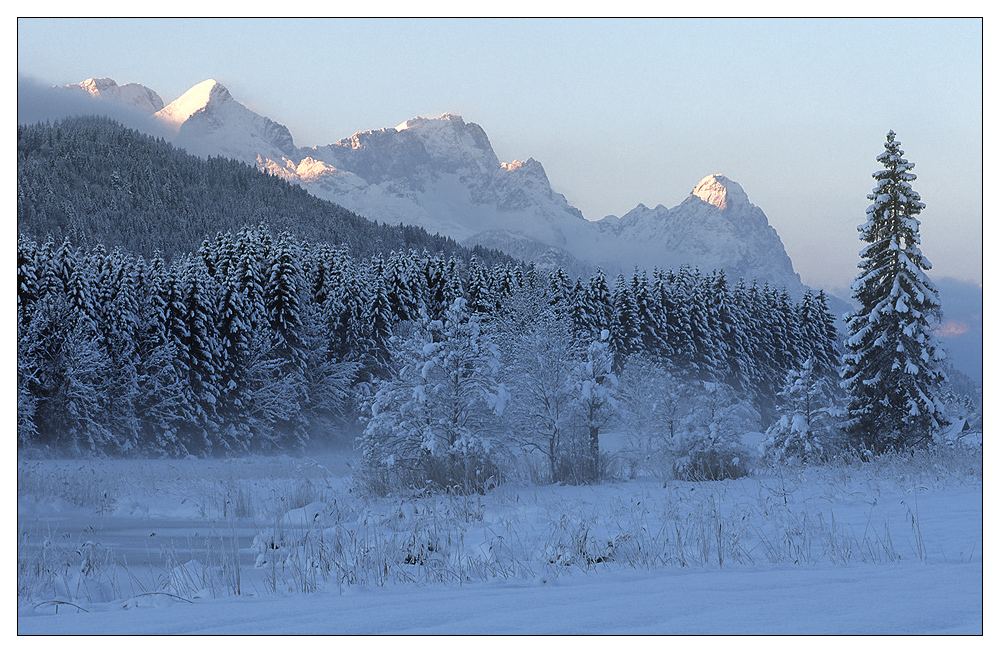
column 327, row 382
column 693, row 428
column 713, row 464
column 435, row 424
column 963, row 403
column 27, row 368
column 579, row 542
column 710, row 444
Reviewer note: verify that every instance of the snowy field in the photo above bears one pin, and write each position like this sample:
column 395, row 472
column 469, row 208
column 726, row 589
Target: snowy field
column 286, row 546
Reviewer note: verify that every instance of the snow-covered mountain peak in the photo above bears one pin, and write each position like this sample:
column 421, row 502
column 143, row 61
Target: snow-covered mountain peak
column 134, row 95
column 197, row 98
column 422, row 122
column 208, row 121
column 721, row 192
column 95, row 86
column 449, row 137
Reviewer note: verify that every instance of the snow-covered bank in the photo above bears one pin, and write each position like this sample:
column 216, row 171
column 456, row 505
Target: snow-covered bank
column 286, row 546
column 905, row 598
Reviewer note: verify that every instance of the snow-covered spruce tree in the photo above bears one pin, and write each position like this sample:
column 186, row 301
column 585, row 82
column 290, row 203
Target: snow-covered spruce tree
column 234, row 358
column 27, row 368
column 250, row 274
column 28, row 274
column 283, row 304
column 32, row 263
column 597, row 306
column 749, row 362
column 435, row 286
column 377, row 320
column 560, row 292
column 481, row 299
column 807, row 429
column 76, row 281
column 695, row 290
column 201, row 351
column 68, row 378
column 176, row 336
column 759, row 343
column 326, row 381
column 401, row 286
column 677, row 352
column 282, row 300
column 436, row 423
column 116, row 313
column 160, row 403
column 819, row 335
column 579, row 314
column 653, row 328
column 503, row 284
column 893, row 368
column 625, row 337
column 734, row 340
column 63, row 369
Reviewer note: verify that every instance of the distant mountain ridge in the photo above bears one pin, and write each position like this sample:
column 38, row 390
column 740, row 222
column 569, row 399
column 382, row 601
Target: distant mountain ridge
column 134, row 95
column 442, row 174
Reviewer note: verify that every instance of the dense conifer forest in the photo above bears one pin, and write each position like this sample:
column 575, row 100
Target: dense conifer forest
column 256, row 342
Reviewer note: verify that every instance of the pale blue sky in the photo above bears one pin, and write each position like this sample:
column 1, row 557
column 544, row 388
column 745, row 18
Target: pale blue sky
column 618, row 111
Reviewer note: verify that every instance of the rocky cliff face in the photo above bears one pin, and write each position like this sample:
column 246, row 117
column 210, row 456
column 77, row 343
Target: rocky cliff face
column 442, row 174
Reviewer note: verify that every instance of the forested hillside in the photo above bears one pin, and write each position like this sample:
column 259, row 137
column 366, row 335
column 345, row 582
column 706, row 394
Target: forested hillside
column 94, row 181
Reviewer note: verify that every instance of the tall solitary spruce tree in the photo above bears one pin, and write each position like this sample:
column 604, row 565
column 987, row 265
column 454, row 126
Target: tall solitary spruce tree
column 893, row 366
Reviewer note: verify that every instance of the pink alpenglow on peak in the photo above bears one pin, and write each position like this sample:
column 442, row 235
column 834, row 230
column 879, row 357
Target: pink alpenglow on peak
column 721, row 192
column 528, row 165
column 513, row 165
column 195, row 99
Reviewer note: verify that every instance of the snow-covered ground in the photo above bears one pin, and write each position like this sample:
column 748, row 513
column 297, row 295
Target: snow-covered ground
column 890, row 599
column 287, row 546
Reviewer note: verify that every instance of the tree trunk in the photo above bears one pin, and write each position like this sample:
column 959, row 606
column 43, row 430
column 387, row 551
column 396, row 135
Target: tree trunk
column 595, row 453
column 552, row 456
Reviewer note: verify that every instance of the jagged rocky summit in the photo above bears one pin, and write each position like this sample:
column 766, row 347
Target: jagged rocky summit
column 715, row 226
